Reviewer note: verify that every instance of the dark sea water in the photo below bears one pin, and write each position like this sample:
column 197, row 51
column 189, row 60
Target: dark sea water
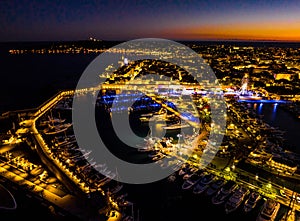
column 281, row 119
column 28, row 80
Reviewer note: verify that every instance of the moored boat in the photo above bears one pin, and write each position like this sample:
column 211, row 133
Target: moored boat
column 269, row 210
column 191, row 181
column 236, row 199
column 215, row 186
column 225, row 191
column 251, row 201
column 204, row 183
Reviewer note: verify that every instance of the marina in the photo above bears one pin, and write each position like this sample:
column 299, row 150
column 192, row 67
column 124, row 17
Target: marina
column 40, row 158
column 196, row 181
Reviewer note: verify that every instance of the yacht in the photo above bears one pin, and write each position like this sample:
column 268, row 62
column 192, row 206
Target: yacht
column 189, row 173
column 224, row 192
column 215, row 186
column 158, row 156
column 176, row 126
column 147, row 115
column 204, row 183
column 251, row 201
column 146, row 148
column 148, row 143
column 236, row 199
column 191, row 181
column 160, row 115
column 184, row 168
column 153, row 153
column 249, row 95
column 269, row 210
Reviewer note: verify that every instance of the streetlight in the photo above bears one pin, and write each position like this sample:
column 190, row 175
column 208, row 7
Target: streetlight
column 233, row 167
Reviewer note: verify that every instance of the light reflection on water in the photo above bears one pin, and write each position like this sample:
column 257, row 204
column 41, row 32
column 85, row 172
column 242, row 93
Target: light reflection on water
column 276, row 117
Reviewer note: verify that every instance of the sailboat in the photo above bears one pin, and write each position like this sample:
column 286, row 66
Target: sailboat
column 51, row 130
column 115, row 185
column 55, row 126
column 51, row 120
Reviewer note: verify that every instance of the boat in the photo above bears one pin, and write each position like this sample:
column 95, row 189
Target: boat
column 160, row 115
column 172, row 177
column 128, row 218
column 124, row 203
column 147, row 115
column 269, row 210
column 51, row 130
column 251, row 201
column 51, row 121
column 146, row 148
column 153, row 153
column 204, row 183
column 189, row 172
column 236, row 199
column 290, row 215
column 225, row 191
column 191, row 181
column 65, row 143
column 183, row 169
column 249, row 95
column 36, row 171
column 215, row 186
column 176, row 126
column 148, row 143
column 158, row 156
column 114, row 187
column 103, row 182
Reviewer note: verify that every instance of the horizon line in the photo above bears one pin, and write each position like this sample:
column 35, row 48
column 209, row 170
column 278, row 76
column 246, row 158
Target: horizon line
column 179, row 40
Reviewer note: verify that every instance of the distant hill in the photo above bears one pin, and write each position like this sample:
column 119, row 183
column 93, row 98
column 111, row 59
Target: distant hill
column 93, row 44
column 53, row 45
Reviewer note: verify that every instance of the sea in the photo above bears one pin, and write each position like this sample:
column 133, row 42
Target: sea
column 28, row 80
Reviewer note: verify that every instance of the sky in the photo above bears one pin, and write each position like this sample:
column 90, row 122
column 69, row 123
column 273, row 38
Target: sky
column 43, row 20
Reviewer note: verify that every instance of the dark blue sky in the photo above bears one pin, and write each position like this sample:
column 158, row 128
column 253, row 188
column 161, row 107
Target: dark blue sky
column 27, row 20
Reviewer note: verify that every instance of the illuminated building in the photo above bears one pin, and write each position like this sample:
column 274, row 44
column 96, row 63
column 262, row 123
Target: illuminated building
column 282, row 165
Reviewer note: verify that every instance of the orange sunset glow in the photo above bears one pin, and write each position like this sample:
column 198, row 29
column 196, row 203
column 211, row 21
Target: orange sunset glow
column 241, row 31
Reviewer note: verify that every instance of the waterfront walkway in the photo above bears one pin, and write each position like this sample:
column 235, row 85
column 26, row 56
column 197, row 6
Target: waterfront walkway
column 71, row 203
column 46, row 194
